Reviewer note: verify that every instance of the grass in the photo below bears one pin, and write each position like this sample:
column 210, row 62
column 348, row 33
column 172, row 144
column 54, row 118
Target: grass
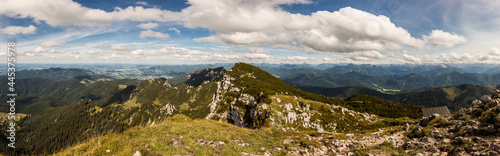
column 121, row 87
column 131, row 103
column 385, row 90
column 3, row 116
column 182, row 135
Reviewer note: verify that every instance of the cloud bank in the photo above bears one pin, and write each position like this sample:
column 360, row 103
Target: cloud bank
column 444, row 39
column 153, row 34
column 14, row 30
column 247, row 23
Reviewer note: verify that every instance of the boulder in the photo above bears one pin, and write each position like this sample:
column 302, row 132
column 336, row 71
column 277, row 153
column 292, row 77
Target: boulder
column 137, row 153
column 424, row 121
column 485, row 98
column 234, row 117
column 490, row 128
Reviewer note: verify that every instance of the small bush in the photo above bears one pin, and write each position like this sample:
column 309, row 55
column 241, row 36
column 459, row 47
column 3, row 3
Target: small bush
column 439, row 122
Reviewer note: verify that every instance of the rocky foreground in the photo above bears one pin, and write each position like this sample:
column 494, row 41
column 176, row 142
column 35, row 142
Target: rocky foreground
column 471, row 131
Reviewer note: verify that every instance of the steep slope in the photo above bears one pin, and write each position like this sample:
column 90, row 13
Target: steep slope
column 410, row 81
column 67, row 91
column 198, row 77
column 455, row 97
column 58, row 74
column 252, row 98
column 340, row 92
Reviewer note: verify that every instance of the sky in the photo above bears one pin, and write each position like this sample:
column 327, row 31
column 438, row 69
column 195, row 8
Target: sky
column 254, row 31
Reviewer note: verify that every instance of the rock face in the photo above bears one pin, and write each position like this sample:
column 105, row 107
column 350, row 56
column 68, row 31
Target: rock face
column 166, row 84
column 234, row 117
column 210, row 74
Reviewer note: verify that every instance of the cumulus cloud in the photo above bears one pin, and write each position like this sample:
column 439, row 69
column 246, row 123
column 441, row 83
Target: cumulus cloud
column 142, row 3
column 440, row 38
column 149, row 25
column 457, row 57
column 153, row 34
column 53, row 51
column 257, row 23
column 39, row 50
column 50, row 44
column 494, row 51
column 245, row 23
column 410, row 58
column 97, row 53
column 114, row 47
column 31, row 55
column 13, row 30
column 256, row 55
column 177, row 31
column 240, row 23
column 65, row 13
column 366, row 55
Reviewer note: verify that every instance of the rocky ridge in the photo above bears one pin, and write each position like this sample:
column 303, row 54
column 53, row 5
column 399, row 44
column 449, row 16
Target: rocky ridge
column 471, row 131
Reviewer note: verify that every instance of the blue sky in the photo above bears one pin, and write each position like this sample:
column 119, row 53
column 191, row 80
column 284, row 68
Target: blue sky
column 271, row 31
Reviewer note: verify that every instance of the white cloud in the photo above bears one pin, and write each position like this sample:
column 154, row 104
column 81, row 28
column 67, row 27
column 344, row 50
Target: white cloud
column 141, row 14
column 153, row 34
column 240, row 23
column 65, row 13
column 258, row 23
column 444, row 39
column 251, row 23
column 149, row 25
column 366, row 55
column 13, row 30
column 31, row 55
column 228, row 50
column 98, row 53
column 114, row 47
column 76, row 57
column 50, row 44
column 142, row 3
column 494, row 51
column 168, row 50
column 456, row 57
column 39, row 50
column 177, row 31
column 53, row 51
column 411, row 58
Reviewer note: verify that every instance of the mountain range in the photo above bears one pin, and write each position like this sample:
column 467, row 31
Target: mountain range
column 63, row 109
column 244, row 96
